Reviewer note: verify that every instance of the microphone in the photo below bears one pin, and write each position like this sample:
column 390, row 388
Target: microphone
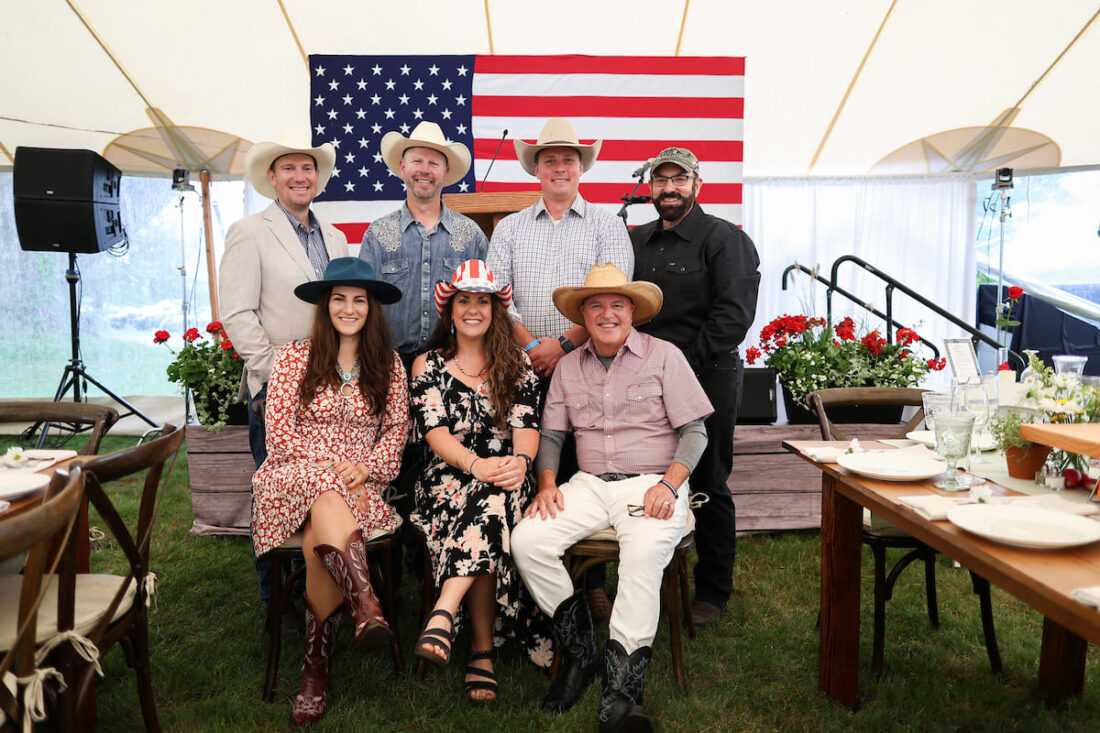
column 503, row 137
column 641, row 171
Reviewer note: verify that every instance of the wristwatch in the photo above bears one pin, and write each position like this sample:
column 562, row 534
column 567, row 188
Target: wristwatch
column 566, row 344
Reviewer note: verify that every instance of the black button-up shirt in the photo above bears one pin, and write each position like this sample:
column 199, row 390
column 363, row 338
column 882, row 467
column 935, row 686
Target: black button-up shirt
column 708, row 270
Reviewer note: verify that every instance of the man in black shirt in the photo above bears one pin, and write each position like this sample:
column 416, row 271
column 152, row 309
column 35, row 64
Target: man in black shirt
column 708, row 271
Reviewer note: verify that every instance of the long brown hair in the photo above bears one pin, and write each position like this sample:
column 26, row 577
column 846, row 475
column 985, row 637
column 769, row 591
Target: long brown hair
column 503, row 359
column 375, row 355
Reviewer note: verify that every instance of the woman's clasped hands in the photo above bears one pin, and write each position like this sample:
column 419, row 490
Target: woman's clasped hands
column 506, row 472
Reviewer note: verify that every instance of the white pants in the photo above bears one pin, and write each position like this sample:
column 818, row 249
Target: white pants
column 645, row 548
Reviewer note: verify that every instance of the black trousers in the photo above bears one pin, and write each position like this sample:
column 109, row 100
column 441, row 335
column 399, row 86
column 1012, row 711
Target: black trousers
column 716, row 521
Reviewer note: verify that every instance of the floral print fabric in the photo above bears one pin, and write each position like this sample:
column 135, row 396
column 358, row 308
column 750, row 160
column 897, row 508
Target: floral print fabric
column 468, row 523
column 330, row 428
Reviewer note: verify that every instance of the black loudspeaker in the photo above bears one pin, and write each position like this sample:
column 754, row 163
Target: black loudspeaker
column 66, row 200
column 757, row 397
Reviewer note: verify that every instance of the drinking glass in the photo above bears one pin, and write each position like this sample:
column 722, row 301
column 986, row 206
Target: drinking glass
column 971, row 398
column 953, row 431
column 933, row 403
column 1069, row 364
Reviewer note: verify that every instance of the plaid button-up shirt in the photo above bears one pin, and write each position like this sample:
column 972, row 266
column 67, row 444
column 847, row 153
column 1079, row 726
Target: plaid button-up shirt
column 535, row 255
column 311, row 239
column 625, row 418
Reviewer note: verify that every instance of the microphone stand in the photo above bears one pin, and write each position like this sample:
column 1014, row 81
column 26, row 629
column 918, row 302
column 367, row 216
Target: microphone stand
column 632, row 197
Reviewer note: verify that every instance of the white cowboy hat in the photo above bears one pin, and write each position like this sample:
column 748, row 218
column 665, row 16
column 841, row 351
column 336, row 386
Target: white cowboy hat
column 426, row 135
column 289, row 140
column 605, row 279
column 558, row 132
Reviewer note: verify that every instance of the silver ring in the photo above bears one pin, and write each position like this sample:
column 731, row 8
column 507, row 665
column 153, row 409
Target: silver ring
column 665, row 503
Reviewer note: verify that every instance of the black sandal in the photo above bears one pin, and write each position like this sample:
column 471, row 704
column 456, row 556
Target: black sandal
column 488, row 683
column 436, row 637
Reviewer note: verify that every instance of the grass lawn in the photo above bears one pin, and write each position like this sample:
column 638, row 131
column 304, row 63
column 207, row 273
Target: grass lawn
column 756, row 670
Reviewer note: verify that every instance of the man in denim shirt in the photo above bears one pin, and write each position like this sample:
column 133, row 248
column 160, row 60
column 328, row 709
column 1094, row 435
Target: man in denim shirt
column 416, row 246
column 423, row 242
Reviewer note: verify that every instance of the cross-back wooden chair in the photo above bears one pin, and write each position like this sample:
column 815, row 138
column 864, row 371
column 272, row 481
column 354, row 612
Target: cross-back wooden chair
column 99, row 417
column 879, row 539
column 24, row 677
column 106, row 609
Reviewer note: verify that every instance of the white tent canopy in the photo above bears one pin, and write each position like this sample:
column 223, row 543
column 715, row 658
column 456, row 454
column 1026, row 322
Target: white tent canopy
column 831, row 88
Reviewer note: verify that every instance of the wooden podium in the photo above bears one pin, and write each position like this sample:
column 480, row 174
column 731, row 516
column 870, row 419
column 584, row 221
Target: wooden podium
column 487, row 209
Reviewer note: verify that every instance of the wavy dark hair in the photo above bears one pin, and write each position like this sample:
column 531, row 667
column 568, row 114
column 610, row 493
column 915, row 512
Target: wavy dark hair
column 375, row 355
column 503, row 359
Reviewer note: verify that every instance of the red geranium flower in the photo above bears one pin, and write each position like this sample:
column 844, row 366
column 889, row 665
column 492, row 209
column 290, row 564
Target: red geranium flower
column 214, row 327
column 1014, row 292
column 907, row 336
column 227, row 344
column 873, row 343
column 937, row 364
column 752, row 354
column 1004, row 367
column 160, row 337
column 846, row 330
column 192, row 334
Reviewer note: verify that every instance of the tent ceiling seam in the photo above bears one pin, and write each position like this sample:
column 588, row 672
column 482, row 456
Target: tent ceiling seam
column 851, row 85
column 1054, row 63
column 107, row 50
column 683, row 24
column 488, row 27
column 294, row 33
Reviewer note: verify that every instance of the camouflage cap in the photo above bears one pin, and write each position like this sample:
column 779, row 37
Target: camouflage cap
column 677, row 156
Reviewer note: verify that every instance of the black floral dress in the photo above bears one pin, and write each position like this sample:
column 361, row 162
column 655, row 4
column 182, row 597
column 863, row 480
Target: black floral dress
column 469, row 523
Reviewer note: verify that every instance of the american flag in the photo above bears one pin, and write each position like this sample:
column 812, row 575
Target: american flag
column 637, row 105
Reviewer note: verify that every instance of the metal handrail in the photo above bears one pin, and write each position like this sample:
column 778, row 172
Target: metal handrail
column 850, row 296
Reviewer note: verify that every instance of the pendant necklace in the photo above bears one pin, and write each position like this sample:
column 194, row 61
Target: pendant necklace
column 473, row 376
column 347, row 378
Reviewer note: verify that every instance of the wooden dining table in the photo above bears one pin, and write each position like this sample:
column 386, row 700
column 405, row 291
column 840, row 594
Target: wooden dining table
column 34, row 498
column 1043, row 579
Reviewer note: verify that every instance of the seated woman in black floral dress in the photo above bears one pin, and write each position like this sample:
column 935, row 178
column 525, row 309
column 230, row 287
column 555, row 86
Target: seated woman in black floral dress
column 475, row 401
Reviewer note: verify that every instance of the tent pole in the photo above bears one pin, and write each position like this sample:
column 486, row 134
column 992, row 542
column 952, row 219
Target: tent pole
column 208, row 229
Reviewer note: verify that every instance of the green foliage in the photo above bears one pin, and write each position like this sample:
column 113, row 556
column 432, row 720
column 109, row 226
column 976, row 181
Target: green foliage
column 210, row 369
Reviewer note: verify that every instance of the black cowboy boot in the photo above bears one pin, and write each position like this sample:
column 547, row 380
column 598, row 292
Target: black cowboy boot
column 350, row 570
column 309, row 704
column 621, row 708
column 575, row 641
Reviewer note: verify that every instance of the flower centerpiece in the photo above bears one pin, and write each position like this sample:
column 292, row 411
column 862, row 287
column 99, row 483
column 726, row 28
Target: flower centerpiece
column 809, row 355
column 1048, row 398
column 211, row 369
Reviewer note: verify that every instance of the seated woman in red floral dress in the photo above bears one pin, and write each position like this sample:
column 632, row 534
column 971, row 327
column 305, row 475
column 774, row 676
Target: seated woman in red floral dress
column 337, row 420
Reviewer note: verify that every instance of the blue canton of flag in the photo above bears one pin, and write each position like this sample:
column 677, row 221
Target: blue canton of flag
column 355, row 100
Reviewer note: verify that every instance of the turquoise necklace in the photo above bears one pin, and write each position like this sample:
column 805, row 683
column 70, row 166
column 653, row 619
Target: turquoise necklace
column 348, row 378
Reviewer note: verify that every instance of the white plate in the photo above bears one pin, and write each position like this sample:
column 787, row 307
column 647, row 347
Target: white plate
column 893, row 465
column 1025, row 526
column 14, row 484
column 928, row 438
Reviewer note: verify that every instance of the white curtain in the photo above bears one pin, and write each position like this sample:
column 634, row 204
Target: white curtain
column 918, row 230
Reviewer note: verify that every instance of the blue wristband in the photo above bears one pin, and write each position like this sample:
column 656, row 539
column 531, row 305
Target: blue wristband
column 531, row 345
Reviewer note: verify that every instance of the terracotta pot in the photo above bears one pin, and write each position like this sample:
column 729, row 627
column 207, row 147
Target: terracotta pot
column 1025, row 462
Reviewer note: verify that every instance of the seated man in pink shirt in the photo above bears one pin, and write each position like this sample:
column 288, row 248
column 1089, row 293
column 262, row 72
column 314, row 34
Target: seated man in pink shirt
column 637, row 413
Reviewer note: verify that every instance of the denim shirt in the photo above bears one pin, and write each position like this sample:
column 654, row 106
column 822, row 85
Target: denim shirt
column 408, row 256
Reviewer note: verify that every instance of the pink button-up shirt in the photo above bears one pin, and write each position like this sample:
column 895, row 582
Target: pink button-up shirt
column 625, row 418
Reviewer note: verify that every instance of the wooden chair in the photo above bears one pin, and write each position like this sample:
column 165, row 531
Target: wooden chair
column 99, row 417
column 880, row 538
column 603, row 547
column 112, row 608
column 380, row 548
column 27, row 609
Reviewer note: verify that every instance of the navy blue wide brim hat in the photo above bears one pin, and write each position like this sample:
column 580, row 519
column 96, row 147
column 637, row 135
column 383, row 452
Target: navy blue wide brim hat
column 348, row 271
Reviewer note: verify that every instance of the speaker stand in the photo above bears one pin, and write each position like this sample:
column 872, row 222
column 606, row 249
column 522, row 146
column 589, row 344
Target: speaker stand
column 75, row 371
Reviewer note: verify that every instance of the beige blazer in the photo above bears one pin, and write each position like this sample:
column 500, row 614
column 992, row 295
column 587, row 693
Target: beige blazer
column 262, row 264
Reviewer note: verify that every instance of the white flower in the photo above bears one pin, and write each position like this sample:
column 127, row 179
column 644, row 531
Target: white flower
column 14, row 458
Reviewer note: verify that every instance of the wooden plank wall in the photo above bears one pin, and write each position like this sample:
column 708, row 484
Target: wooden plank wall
column 774, row 490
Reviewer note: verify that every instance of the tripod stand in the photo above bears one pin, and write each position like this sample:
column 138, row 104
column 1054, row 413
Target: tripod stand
column 75, row 371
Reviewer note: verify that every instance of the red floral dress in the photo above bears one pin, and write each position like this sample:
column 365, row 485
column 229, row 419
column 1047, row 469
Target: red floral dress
column 331, row 428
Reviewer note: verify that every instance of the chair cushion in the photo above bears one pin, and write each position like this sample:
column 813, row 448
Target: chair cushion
column 608, row 535
column 294, row 541
column 93, row 596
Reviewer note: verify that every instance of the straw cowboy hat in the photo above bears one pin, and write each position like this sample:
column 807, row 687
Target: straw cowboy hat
column 348, row 271
column 426, row 135
column 472, row 276
column 606, row 279
column 558, row 132
column 289, row 140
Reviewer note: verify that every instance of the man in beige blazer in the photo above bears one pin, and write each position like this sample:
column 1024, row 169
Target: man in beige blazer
column 266, row 256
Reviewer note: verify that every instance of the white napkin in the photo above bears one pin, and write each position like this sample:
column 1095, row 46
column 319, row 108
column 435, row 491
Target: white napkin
column 829, row 453
column 1089, row 596
column 933, row 507
column 1053, row 502
column 4, row 505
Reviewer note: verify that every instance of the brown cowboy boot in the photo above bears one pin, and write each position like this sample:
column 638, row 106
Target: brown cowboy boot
column 312, row 697
column 351, row 572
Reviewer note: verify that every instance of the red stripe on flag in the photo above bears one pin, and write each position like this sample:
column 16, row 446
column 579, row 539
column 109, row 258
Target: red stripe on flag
column 663, row 107
column 716, row 150
column 605, row 193
column 353, row 230
column 680, row 65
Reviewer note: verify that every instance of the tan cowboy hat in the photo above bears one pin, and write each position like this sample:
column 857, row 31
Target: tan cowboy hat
column 603, row 279
column 426, row 135
column 289, row 140
column 558, row 132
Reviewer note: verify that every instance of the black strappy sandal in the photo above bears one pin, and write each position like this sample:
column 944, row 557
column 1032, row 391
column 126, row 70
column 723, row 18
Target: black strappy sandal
column 488, row 683
column 436, row 637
